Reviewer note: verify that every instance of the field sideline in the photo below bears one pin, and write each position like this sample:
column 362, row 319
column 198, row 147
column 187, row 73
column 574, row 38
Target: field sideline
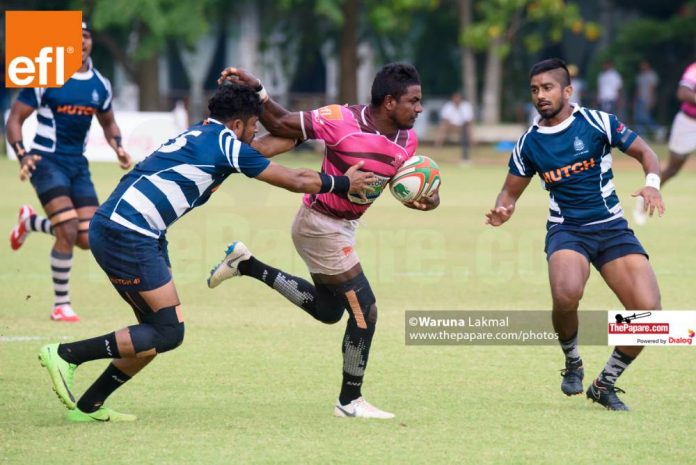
column 256, row 379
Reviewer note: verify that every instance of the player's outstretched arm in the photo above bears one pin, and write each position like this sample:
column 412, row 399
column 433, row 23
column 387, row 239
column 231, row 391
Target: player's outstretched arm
column 505, row 203
column 311, row 182
column 18, row 114
column 279, row 121
column 269, row 146
column 642, row 152
column 112, row 133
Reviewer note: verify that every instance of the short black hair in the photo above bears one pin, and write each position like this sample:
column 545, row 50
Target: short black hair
column 551, row 64
column 234, row 101
column 393, row 79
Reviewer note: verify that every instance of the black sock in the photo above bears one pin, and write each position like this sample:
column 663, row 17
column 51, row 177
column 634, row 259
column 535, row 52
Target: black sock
column 89, row 349
column 350, row 388
column 107, row 383
column 570, row 349
column 616, row 365
column 296, row 290
column 356, row 350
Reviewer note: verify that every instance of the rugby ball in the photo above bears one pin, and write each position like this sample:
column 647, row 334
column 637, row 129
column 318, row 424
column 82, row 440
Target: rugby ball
column 418, row 177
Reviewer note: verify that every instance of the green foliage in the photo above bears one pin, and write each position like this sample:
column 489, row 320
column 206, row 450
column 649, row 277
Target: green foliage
column 386, row 16
column 155, row 21
column 536, row 21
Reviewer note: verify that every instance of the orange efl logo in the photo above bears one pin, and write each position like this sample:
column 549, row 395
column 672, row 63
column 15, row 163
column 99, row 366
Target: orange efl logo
column 43, row 48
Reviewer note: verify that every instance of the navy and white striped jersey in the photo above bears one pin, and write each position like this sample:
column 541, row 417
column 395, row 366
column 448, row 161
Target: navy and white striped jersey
column 65, row 114
column 573, row 160
column 178, row 177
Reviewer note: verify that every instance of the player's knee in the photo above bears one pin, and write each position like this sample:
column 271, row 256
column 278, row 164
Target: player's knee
column 171, row 337
column 361, row 302
column 652, row 302
column 66, row 233
column 567, row 297
column 330, row 309
column 82, row 241
column 83, row 235
column 372, row 314
column 167, row 332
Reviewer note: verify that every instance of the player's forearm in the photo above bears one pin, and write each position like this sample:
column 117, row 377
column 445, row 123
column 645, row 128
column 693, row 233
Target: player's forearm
column 270, row 146
column 14, row 136
column 302, row 180
column 274, row 118
column 306, row 181
column 506, row 199
column 112, row 134
column 14, row 130
column 642, row 152
column 650, row 162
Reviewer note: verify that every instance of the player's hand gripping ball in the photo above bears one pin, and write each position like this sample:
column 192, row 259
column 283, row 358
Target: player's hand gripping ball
column 418, row 177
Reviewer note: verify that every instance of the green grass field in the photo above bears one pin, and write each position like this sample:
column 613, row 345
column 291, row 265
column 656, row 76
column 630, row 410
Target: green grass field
column 256, row 379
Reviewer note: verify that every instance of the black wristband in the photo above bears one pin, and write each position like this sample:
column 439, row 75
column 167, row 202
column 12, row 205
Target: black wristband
column 335, row 184
column 19, row 147
column 327, row 183
column 119, row 141
column 341, row 185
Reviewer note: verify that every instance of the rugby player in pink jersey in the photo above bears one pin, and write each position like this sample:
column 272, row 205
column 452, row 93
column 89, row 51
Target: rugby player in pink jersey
column 380, row 135
column 682, row 139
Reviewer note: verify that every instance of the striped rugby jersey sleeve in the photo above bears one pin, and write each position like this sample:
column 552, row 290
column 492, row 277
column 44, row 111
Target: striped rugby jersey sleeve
column 251, row 162
column 621, row 136
column 520, row 164
column 241, row 157
column 31, row 97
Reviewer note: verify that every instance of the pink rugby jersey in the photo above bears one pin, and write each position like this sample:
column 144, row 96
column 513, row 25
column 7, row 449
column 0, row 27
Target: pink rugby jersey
column 688, row 80
column 350, row 136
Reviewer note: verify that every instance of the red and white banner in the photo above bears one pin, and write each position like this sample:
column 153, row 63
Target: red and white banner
column 142, row 132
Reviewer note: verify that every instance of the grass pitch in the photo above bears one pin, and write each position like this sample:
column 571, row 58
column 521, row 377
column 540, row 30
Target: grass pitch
column 256, row 378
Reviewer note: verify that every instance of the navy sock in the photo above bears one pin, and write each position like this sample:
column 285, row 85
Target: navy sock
column 617, row 363
column 89, row 349
column 103, row 387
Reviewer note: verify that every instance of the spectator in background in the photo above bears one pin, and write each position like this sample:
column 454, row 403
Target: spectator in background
column 645, row 99
column 609, row 89
column 457, row 114
column 578, row 85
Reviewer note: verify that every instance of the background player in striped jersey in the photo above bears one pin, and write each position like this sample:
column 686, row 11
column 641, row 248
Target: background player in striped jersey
column 57, row 167
column 128, row 238
column 324, row 229
column 569, row 147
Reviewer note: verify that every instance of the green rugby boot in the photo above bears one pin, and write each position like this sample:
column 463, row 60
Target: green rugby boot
column 102, row 415
column 61, row 373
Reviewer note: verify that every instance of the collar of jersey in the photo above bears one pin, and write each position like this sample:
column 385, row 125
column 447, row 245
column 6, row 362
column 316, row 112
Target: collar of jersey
column 213, row 120
column 86, row 75
column 560, row 126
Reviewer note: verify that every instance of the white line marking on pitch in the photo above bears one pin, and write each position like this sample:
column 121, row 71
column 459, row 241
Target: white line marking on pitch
column 32, row 338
